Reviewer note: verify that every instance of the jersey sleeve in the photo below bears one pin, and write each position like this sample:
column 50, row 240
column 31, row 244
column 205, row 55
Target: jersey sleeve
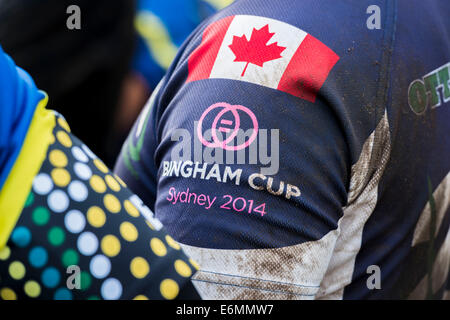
column 162, row 28
column 248, row 150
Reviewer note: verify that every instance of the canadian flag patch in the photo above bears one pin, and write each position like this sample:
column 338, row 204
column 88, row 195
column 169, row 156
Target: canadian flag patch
column 265, row 52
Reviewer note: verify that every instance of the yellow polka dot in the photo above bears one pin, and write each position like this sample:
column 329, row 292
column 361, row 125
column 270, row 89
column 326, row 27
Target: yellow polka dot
column 182, row 268
column 169, row 289
column 112, row 203
column 172, row 242
column 140, row 297
column 158, row 247
column 97, row 184
column 110, row 245
column 61, row 177
column 112, row 183
column 101, row 166
column 58, row 158
column 64, row 139
column 32, row 289
column 194, row 264
column 5, row 253
column 63, row 123
column 128, row 231
column 17, row 270
column 120, row 181
column 96, row 217
column 8, row 294
column 139, row 267
column 131, row 209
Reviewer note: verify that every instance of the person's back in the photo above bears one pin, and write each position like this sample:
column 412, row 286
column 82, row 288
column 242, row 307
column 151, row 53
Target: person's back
column 69, row 228
column 344, row 191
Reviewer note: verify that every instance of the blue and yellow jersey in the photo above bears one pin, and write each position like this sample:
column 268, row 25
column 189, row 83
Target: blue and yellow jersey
column 162, row 27
column 70, row 228
column 26, row 127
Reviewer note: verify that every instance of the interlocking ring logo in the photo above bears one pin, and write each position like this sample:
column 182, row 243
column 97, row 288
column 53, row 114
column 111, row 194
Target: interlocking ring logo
column 225, row 126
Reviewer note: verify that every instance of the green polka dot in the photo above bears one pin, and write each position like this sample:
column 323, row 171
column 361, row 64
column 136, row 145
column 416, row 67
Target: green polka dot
column 41, row 216
column 56, row 236
column 30, row 199
column 85, row 280
column 70, row 258
column 93, row 298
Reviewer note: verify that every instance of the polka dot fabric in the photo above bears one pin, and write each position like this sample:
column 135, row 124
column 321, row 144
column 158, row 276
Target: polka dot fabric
column 79, row 213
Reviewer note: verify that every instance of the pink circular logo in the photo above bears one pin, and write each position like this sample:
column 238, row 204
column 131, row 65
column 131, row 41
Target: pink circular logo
column 226, row 126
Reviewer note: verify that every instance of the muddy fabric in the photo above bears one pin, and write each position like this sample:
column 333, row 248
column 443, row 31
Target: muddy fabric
column 300, row 150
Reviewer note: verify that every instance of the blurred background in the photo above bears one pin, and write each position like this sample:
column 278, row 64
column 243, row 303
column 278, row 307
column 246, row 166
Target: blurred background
column 100, row 76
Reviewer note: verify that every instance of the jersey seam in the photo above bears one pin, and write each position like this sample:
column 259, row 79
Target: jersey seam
column 263, row 280
column 253, row 288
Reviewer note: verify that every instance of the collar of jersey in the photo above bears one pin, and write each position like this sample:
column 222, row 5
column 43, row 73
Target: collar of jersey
column 17, row 186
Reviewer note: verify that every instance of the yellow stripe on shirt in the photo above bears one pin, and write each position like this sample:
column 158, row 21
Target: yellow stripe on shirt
column 19, row 182
column 157, row 38
column 219, row 4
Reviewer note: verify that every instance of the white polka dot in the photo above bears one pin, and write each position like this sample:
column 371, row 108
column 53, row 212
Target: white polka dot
column 78, row 191
column 111, row 289
column 42, row 184
column 79, row 154
column 74, row 221
column 89, row 152
column 58, row 201
column 100, row 266
column 87, row 243
column 82, row 171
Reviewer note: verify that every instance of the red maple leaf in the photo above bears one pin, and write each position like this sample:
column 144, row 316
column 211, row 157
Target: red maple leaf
column 255, row 50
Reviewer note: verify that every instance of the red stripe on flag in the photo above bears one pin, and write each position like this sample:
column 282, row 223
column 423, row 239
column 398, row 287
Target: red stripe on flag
column 202, row 59
column 308, row 69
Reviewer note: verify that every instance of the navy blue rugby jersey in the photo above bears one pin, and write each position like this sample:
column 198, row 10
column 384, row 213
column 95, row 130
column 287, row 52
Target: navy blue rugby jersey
column 301, row 149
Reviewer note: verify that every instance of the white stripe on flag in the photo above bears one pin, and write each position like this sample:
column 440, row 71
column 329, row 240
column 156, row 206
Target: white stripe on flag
column 270, row 74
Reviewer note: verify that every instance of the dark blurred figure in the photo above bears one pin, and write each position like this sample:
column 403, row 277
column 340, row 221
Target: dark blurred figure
column 81, row 70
